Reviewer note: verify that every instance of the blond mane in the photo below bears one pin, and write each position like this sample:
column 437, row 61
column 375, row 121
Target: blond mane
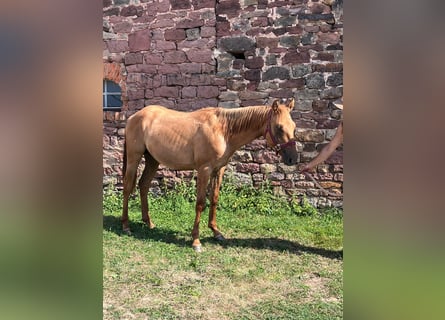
column 238, row 120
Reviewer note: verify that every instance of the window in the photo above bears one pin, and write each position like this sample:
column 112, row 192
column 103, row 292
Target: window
column 112, row 96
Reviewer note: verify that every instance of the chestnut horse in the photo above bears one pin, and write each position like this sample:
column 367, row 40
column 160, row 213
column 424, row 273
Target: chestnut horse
column 202, row 140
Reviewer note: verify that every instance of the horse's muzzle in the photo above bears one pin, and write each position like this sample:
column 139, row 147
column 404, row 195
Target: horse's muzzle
column 289, row 156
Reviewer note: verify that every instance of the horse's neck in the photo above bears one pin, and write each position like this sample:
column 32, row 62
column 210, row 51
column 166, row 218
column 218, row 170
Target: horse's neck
column 254, row 126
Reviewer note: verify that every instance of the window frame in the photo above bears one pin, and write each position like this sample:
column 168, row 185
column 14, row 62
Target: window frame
column 106, row 94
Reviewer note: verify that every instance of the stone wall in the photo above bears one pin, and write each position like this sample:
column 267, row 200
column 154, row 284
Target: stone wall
column 191, row 54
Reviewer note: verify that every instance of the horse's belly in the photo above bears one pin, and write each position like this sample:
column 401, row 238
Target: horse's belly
column 174, row 159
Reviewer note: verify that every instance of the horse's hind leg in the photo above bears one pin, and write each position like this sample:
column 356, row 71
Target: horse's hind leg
column 129, row 183
column 151, row 165
column 201, row 187
column 215, row 184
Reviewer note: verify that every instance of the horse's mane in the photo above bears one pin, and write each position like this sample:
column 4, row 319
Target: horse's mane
column 238, row 120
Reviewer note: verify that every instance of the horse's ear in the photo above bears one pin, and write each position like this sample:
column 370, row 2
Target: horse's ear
column 291, row 103
column 275, row 105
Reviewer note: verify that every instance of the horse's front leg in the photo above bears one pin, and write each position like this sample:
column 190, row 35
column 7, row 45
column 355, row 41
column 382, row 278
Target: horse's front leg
column 215, row 184
column 201, row 188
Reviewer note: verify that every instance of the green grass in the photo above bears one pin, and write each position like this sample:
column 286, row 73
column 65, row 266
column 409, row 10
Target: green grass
column 281, row 260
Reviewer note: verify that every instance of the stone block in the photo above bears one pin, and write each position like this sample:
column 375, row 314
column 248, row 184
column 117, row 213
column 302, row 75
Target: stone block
column 332, row 93
column 271, row 60
column 252, row 95
column 208, row 32
column 139, row 40
column 329, row 37
column 276, row 73
column 180, row 4
column 133, row 58
column 167, row 92
column 192, row 34
column 247, row 167
column 190, row 68
column 334, row 80
column 236, row 85
column 252, row 75
column 231, row 8
column 177, row 80
column 267, row 42
column 162, row 45
column 208, row 92
column 117, row 46
column 188, row 92
column 174, row 35
column 228, row 96
column 325, row 56
column 315, row 81
column 328, row 18
column 189, row 23
column 152, row 58
column 200, row 80
column 294, row 57
column 228, row 104
column 168, row 69
column 142, row 68
column 238, row 44
column 293, row 83
column 289, row 41
column 200, row 55
column 135, row 94
column 310, row 135
column 200, row 4
column 285, row 21
column 131, row 11
column 174, row 57
column 254, row 63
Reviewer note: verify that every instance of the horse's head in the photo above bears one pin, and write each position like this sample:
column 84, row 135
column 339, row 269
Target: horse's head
column 280, row 131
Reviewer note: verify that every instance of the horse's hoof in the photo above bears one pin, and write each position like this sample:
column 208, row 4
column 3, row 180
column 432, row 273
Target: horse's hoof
column 220, row 238
column 197, row 248
column 151, row 226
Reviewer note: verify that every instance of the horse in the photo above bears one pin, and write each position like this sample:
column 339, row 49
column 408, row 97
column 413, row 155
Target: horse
column 203, row 140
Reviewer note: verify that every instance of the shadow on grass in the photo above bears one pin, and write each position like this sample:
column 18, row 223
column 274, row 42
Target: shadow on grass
column 140, row 231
